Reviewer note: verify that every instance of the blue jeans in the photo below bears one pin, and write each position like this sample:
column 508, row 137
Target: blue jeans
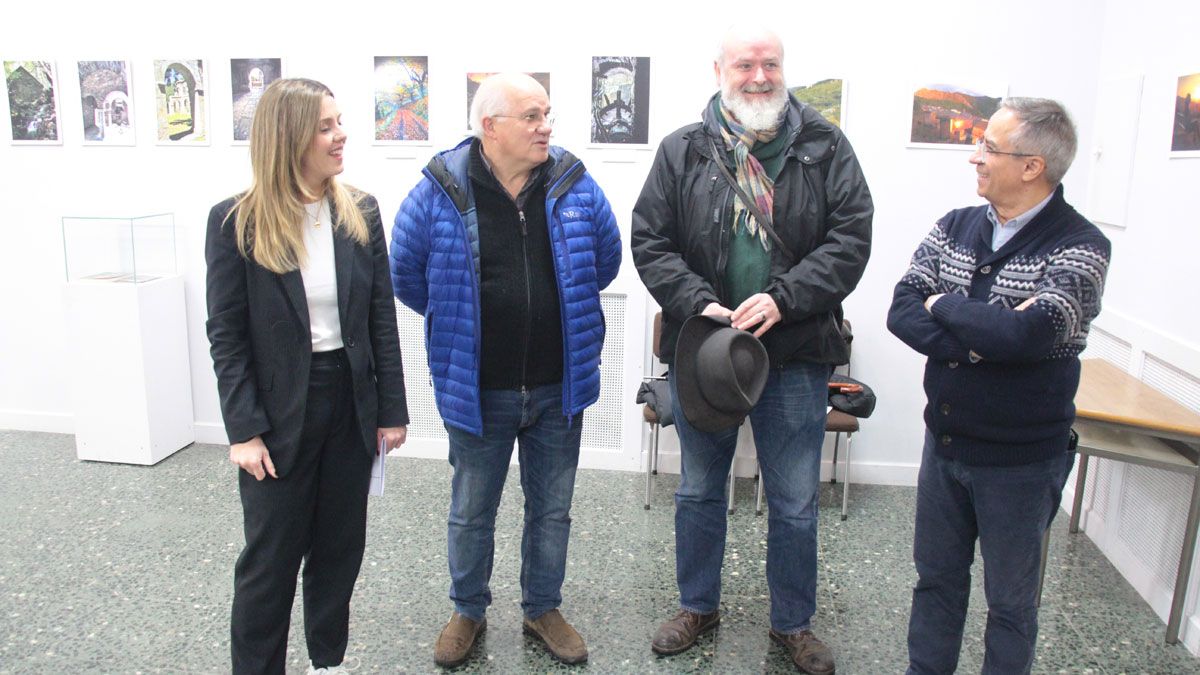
column 789, row 426
column 1008, row 508
column 549, row 454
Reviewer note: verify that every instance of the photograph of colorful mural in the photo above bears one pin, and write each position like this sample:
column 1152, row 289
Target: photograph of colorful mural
column 32, row 101
column 1185, row 138
column 474, row 80
column 248, row 78
column 620, row 99
column 107, row 103
column 401, row 98
column 952, row 115
column 824, row 96
column 181, row 101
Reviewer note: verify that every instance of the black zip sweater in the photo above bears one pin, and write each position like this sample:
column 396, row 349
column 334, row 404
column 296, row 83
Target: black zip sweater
column 522, row 343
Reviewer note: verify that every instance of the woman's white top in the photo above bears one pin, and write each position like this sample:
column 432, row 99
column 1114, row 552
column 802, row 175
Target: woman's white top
column 320, row 278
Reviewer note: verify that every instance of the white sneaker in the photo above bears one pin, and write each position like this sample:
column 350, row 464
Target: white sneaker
column 349, row 664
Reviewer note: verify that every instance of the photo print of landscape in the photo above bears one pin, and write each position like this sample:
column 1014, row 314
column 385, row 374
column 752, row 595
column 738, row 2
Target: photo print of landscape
column 952, row 115
column 824, row 96
column 1185, row 138
column 32, row 101
column 401, row 98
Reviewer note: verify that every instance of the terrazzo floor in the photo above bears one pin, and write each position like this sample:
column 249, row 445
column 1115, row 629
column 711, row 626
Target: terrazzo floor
column 121, row 569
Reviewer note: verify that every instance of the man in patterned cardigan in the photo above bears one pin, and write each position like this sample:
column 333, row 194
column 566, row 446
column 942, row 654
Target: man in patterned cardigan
column 999, row 298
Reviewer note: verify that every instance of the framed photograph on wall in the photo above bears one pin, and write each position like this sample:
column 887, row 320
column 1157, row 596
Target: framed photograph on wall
column 248, row 78
column 1185, row 132
column 106, row 101
column 181, row 101
column 32, row 102
column 827, row 97
column 475, row 79
column 620, row 100
column 952, row 116
column 401, row 99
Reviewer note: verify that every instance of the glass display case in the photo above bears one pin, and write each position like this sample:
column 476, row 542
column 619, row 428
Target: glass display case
column 119, row 250
column 127, row 339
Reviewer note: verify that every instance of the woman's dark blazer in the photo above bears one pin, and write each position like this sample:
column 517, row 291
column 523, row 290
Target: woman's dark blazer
column 262, row 343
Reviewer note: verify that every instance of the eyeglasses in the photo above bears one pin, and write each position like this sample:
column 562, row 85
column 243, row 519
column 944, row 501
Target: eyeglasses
column 983, row 150
column 533, row 119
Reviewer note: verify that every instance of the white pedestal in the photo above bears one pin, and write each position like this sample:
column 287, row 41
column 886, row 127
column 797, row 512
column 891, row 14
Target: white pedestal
column 130, row 377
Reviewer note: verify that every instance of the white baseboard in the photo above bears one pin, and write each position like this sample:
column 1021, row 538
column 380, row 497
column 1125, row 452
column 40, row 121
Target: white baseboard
column 210, row 432
column 862, row 473
column 1191, row 635
column 438, row 448
column 32, row 420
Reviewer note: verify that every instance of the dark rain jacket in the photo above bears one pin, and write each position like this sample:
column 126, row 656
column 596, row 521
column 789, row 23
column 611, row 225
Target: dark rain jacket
column 682, row 225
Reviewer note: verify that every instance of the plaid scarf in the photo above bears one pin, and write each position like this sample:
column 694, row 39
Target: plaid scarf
column 750, row 175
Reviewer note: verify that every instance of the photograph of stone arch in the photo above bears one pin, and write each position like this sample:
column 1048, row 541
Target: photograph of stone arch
column 32, row 102
column 620, row 99
column 181, row 101
column 824, row 96
column 1185, row 135
column 248, row 78
column 401, row 98
column 952, row 115
column 106, row 101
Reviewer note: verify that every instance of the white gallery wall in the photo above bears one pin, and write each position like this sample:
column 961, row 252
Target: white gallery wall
column 1081, row 52
column 882, row 50
column 1150, row 325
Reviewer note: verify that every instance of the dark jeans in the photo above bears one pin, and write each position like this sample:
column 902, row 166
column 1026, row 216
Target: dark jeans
column 548, row 454
column 789, row 424
column 1008, row 509
column 316, row 513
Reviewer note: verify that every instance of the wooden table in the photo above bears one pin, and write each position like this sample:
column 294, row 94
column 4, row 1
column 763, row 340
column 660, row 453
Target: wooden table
column 1121, row 418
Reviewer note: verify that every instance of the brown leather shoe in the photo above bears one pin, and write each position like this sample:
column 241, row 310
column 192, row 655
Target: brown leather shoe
column 680, row 633
column 807, row 651
column 561, row 640
column 454, row 645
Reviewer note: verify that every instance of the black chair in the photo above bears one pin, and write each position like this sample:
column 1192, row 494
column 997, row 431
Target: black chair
column 836, row 423
column 655, row 395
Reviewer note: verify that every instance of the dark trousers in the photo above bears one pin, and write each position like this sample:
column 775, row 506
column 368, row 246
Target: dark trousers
column 1008, row 509
column 316, row 513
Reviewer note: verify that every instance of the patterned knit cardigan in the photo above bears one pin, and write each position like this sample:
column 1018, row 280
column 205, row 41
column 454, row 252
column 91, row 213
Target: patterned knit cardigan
column 1004, row 341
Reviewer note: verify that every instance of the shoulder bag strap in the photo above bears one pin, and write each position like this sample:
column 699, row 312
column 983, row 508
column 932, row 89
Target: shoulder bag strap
column 763, row 219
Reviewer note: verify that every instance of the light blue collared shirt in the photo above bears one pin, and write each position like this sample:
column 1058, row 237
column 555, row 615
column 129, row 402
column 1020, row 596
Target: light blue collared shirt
column 1001, row 233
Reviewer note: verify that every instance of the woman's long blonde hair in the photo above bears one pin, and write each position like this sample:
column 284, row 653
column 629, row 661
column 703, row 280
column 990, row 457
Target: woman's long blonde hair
column 268, row 224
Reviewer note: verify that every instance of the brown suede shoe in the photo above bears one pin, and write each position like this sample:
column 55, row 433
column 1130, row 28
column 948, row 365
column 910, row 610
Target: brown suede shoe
column 807, row 651
column 680, row 633
column 454, row 645
column 561, row 640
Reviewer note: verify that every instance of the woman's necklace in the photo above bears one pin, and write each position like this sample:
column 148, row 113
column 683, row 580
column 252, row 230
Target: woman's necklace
column 315, row 213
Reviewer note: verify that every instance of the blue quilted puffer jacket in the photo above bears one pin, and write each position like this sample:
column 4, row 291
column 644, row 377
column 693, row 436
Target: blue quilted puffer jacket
column 435, row 271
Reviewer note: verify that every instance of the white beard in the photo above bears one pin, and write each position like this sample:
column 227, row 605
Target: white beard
column 757, row 116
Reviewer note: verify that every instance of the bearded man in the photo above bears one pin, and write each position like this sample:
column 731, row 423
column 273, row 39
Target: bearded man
column 759, row 214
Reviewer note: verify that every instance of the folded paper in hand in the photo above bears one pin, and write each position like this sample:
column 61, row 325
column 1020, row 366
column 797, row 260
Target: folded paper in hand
column 377, row 469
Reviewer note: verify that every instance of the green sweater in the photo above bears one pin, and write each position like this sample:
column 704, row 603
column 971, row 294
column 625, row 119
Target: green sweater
column 748, row 268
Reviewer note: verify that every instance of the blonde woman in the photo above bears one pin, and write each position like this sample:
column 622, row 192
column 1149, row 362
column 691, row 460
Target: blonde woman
column 305, row 348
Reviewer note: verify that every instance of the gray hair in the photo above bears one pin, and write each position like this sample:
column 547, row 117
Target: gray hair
column 492, row 97
column 1046, row 130
column 739, row 31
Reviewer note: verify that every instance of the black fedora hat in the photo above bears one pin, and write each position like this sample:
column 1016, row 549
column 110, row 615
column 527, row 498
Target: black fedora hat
column 720, row 372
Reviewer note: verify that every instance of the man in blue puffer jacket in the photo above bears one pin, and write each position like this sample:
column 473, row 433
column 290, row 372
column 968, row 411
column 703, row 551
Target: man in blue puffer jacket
column 504, row 247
